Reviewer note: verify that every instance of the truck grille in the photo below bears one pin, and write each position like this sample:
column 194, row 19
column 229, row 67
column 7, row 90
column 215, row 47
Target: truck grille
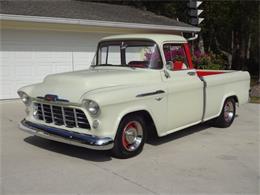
column 61, row 115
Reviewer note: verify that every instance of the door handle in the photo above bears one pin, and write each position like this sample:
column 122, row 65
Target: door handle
column 158, row 98
column 191, row 73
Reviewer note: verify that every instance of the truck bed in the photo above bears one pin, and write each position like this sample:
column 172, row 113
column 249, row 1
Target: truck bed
column 220, row 84
column 202, row 73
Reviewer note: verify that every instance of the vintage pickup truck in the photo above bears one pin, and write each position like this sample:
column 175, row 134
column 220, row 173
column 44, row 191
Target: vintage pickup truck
column 138, row 84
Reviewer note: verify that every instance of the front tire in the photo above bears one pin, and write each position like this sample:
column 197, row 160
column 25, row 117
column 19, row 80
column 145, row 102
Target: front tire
column 227, row 115
column 130, row 138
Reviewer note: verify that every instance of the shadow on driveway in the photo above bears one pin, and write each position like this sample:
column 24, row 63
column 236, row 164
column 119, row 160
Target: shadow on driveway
column 69, row 150
column 101, row 156
column 179, row 134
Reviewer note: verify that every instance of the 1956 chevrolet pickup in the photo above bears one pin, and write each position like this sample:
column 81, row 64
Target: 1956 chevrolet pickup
column 137, row 85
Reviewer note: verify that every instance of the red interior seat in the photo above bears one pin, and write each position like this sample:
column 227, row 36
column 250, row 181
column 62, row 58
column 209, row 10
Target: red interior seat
column 177, row 65
column 138, row 64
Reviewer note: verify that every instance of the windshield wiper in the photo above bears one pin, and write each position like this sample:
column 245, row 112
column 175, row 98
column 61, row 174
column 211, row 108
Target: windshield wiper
column 124, row 65
column 102, row 65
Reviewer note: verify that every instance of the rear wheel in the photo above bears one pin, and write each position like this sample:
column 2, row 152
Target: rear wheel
column 130, row 138
column 227, row 115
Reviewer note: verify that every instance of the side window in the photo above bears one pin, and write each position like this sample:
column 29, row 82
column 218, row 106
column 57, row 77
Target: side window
column 134, row 54
column 175, row 57
column 109, row 55
column 114, row 55
column 102, row 55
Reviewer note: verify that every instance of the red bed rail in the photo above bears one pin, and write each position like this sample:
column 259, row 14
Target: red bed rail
column 202, row 73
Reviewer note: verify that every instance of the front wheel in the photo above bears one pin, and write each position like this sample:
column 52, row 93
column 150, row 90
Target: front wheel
column 227, row 115
column 130, row 138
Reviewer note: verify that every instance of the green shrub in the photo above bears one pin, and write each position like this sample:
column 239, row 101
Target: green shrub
column 208, row 61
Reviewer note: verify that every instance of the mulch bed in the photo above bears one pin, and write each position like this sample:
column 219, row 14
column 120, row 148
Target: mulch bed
column 255, row 91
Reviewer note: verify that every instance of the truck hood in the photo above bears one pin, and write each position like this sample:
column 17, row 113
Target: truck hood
column 73, row 85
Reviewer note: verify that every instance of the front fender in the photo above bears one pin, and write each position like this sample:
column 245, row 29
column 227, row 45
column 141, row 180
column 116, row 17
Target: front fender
column 29, row 89
column 116, row 102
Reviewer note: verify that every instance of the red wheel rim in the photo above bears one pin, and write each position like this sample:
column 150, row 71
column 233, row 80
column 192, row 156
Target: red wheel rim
column 132, row 135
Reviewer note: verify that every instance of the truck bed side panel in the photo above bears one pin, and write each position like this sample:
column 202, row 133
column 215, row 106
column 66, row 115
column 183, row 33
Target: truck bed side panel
column 221, row 86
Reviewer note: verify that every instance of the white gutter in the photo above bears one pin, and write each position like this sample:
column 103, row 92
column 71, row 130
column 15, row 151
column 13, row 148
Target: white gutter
column 98, row 23
column 193, row 38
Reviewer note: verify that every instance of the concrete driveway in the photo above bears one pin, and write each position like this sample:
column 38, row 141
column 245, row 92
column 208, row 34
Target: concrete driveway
column 200, row 159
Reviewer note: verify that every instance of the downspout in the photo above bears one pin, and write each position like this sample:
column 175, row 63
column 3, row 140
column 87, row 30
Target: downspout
column 193, row 38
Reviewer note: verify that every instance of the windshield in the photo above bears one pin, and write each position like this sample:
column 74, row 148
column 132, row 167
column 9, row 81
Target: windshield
column 135, row 54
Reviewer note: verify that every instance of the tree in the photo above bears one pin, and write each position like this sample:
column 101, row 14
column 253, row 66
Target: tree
column 232, row 28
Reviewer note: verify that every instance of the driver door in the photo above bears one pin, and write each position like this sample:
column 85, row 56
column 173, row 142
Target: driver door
column 185, row 89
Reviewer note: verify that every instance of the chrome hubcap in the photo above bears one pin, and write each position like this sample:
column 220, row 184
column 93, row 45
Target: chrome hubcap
column 228, row 111
column 132, row 135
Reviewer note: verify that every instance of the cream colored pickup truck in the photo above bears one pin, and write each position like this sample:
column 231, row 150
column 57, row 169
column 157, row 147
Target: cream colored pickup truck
column 137, row 85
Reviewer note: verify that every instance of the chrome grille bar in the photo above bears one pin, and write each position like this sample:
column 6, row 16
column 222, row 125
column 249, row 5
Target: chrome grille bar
column 43, row 115
column 52, row 116
column 61, row 115
column 75, row 116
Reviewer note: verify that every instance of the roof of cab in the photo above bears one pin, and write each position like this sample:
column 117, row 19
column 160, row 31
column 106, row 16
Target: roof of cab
column 158, row 38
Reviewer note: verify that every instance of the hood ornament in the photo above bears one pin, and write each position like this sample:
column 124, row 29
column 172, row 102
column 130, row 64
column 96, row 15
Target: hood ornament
column 52, row 98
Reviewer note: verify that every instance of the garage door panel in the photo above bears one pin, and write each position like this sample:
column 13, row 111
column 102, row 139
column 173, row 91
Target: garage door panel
column 5, row 71
column 62, row 67
column 23, row 71
column 7, row 89
column 42, row 56
column 7, row 56
column 43, row 69
column 23, row 56
column 82, row 60
column 27, row 56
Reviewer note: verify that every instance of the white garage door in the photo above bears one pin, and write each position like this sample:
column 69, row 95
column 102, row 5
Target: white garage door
column 27, row 56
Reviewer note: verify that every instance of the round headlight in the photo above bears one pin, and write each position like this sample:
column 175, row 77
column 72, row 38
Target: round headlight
column 25, row 98
column 92, row 107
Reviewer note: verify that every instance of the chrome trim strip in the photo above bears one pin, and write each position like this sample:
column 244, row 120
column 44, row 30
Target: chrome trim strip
column 151, row 93
column 68, row 137
column 204, row 98
column 61, row 103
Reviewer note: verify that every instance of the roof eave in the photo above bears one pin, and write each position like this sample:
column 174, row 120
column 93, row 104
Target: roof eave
column 98, row 23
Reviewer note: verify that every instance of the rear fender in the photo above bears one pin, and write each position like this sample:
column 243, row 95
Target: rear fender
column 232, row 94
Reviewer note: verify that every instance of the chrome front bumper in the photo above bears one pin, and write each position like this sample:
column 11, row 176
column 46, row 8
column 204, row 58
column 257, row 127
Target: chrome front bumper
column 68, row 137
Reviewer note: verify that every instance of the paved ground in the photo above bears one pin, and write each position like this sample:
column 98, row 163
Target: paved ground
column 200, row 159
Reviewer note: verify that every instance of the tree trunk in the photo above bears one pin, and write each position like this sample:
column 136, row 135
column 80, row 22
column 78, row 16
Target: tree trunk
column 201, row 45
column 248, row 47
column 235, row 55
column 227, row 54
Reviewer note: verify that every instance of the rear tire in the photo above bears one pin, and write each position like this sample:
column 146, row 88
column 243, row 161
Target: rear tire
column 130, row 138
column 227, row 115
